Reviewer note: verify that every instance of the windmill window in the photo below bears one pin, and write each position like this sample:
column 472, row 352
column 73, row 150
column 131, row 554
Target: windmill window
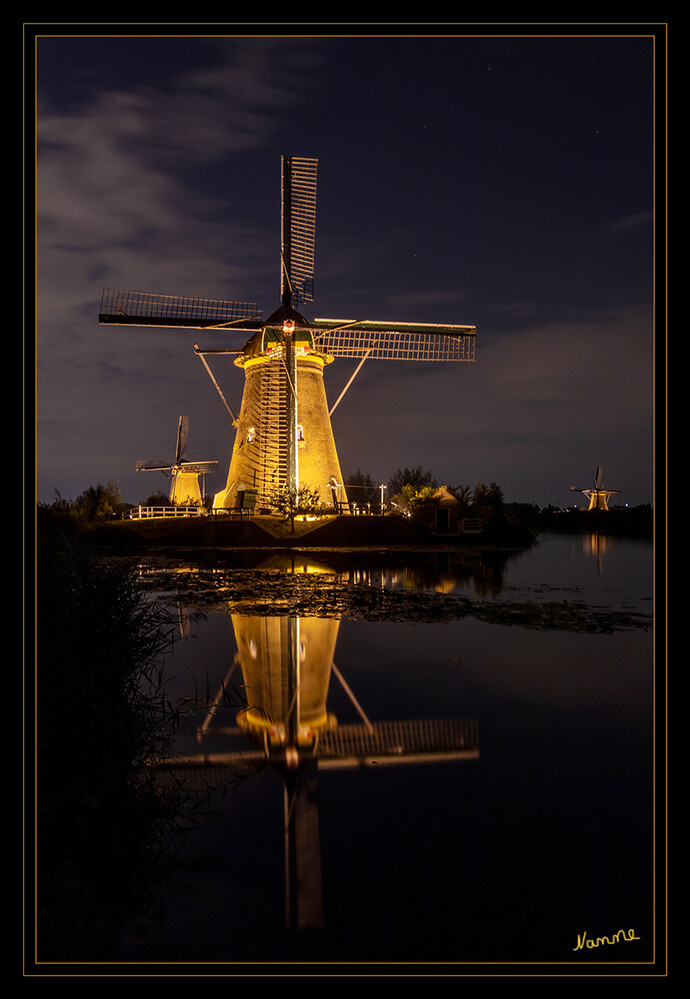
column 251, row 435
column 300, row 432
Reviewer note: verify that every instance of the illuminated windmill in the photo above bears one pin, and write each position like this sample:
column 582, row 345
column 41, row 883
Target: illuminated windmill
column 598, row 496
column 283, row 431
column 184, row 474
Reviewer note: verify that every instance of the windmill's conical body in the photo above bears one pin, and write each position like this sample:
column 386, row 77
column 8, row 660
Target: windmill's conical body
column 184, row 489
column 262, row 459
column 598, row 500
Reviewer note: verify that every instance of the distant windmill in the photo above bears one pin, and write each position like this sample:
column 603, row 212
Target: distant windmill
column 598, row 496
column 284, row 436
column 184, row 474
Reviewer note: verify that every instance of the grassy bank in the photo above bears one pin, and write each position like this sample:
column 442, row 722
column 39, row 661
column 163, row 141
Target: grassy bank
column 271, row 532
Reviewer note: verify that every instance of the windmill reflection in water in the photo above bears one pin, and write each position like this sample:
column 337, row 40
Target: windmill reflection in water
column 286, row 664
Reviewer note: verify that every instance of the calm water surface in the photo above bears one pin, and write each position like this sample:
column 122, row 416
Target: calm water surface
column 537, row 831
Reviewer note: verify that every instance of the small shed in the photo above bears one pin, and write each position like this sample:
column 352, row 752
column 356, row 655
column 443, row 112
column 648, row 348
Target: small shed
column 447, row 511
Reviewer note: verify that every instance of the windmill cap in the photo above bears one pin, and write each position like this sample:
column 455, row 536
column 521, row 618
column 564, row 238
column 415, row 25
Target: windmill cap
column 270, row 336
column 286, row 313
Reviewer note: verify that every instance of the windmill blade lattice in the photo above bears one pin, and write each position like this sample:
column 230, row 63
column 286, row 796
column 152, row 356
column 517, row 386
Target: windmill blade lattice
column 395, row 341
column 298, row 230
column 140, row 308
column 153, row 466
column 198, row 467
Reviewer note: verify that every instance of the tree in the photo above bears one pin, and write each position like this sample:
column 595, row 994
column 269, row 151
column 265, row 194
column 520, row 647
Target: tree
column 414, row 477
column 292, row 503
column 463, row 495
column 99, row 502
column 157, row 499
column 491, row 496
column 488, row 501
column 421, row 503
column 364, row 489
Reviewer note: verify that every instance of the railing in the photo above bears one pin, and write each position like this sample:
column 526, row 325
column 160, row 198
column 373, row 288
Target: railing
column 141, row 512
column 144, row 512
column 361, row 509
column 470, row 525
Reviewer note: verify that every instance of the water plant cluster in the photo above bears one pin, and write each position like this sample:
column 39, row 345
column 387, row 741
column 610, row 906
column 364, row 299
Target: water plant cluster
column 330, row 593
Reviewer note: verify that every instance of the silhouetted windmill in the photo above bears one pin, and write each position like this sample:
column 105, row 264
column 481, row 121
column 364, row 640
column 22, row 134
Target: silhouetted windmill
column 184, row 474
column 284, row 436
column 598, row 496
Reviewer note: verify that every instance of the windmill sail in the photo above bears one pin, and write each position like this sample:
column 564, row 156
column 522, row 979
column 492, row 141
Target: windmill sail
column 141, row 308
column 408, row 741
column 298, row 230
column 395, row 341
column 182, row 437
column 153, row 466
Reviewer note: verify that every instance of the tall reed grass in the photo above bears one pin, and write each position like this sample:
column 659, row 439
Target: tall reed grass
column 105, row 826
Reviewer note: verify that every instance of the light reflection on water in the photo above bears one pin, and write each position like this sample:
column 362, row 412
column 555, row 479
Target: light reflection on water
column 505, row 853
column 603, row 570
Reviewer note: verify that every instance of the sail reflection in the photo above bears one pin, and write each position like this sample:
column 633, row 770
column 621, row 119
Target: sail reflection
column 287, row 666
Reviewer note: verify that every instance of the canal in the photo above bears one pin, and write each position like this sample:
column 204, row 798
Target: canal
column 411, row 759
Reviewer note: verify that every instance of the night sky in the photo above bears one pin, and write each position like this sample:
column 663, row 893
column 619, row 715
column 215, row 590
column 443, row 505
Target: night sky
column 505, row 181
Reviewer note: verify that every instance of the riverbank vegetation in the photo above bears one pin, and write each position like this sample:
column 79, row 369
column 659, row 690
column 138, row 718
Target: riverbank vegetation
column 105, row 827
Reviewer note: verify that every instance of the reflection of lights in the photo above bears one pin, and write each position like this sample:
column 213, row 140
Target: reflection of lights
column 275, row 734
column 595, row 544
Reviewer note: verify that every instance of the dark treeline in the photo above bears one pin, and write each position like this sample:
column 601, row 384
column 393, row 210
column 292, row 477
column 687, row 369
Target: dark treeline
column 633, row 522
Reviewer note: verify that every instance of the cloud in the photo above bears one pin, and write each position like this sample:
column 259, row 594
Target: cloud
column 113, row 172
column 632, row 223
